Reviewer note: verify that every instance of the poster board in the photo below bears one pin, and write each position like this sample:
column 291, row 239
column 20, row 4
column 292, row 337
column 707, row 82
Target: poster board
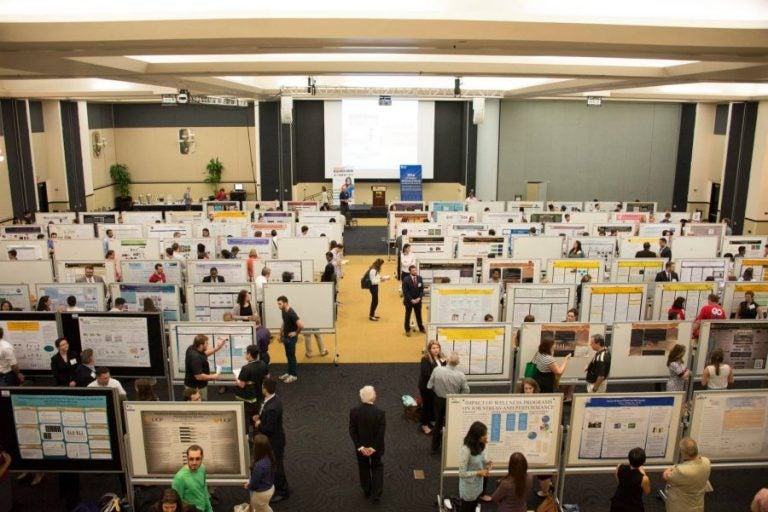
column 120, row 231
column 32, row 335
column 613, row 229
column 640, row 349
column 529, row 424
column 21, row 232
column 759, row 268
column 459, row 303
column 597, row 247
column 636, row 270
column 406, row 206
column 79, row 250
column 566, row 206
column 308, row 248
column 228, row 361
column 17, row 295
column 89, row 296
column 731, row 425
column 481, row 246
column 457, row 217
column 206, row 302
column 45, row 218
column 734, row 292
column 695, row 295
column 320, row 217
column 512, row 271
column 456, row 230
column 695, row 246
column 187, row 247
column 143, row 217
column 612, row 302
column 703, row 229
column 525, row 206
column 699, row 269
column 590, row 218
column 266, row 229
column 177, row 217
column 434, row 272
column 129, row 344
column 161, row 432
column 421, row 229
column 631, row 245
column 62, row 429
column 231, row 217
column 139, row 249
column 501, row 217
column 168, row 230
column 97, row 217
column 302, row 270
column 572, row 270
column 329, row 231
column 569, row 229
column 233, row 271
column 546, row 302
column 30, row 272
column 26, row 250
column 640, row 206
column 431, row 247
column 139, row 271
column 72, row 231
column 485, row 350
column 605, row 426
column 315, row 304
column 541, row 247
column 570, row 338
column 658, row 229
column 263, row 246
column 744, row 344
column 71, row 271
column 164, row 296
column 396, row 218
column 754, row 245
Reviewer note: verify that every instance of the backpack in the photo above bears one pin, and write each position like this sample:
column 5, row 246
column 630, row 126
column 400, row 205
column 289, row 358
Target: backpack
column 365, row 282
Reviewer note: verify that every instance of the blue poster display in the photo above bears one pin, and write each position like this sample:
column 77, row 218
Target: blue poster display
column 410, row 183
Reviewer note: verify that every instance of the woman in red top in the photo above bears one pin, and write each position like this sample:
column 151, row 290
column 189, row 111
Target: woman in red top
column 677, row 311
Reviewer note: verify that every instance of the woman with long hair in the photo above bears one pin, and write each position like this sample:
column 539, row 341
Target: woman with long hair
column 145, row 390
column 406, row 260
column 576, row 251
column 262, row 482
column 243, row 310
column 677, row 311
column 374, row 274
column 512, row 492
column 717, row 375
column 546, row 366
column 433, row 357
column 474, row 466
column 678, row 370
column 149, row 306
column 170, row 501
column 63, row 363
column 6, row 306
column 44, row 304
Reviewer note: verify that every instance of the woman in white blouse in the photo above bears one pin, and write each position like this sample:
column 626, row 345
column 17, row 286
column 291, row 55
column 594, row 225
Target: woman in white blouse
column 406, row 260
column 374, row 274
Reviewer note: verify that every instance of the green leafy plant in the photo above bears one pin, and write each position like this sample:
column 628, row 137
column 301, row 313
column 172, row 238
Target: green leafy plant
column 122, row 179
column 213, row 172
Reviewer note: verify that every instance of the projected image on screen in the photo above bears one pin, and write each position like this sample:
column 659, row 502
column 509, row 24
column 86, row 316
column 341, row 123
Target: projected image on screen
column 375, row 138
column 745, row 346
column 569, row 339
column 652, row 340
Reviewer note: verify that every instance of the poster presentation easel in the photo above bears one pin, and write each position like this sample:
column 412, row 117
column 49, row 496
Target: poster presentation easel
column 731, row 425
column 32, row 335
column 228, row 361
column 744, row 344
column 699, row 269
column 759, row 268
column 570, row 338
column 485, row 350
column 639, row 349
column 561, row 271
column 636, row 270
column 456, row 303
column 695, row 295
column 612, row 302
column 546, row 302
column 734, row 293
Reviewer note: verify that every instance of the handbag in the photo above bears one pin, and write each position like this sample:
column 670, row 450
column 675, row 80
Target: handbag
column 530, row 369
column 548, row 505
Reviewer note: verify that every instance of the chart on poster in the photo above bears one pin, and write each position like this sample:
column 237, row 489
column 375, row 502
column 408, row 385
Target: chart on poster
column 236, row 336
column 546, row 302
column 485, row 352
column 118, row 341
column 32, row 340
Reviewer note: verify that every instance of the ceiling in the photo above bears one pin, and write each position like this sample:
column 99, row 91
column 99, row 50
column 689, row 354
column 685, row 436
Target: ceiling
column 672, row 50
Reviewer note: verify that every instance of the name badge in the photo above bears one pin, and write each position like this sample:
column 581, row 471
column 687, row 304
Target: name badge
column 73, row 361
column 752, row 306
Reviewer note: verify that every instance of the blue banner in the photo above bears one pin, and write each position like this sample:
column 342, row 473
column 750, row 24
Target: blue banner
column 410, row 183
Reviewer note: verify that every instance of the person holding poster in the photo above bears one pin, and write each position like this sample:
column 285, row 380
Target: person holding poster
column 474, row 466
column 688, row 481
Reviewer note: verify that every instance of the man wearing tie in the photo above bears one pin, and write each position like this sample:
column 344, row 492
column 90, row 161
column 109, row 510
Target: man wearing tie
column 668, row 274
column 214, row 276
column 89, row 277
column 664, row 250
column 413, row 291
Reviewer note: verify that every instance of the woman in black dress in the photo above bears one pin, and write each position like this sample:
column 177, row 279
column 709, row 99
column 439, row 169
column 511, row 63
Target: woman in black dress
column 633, row 483
column 63, row 363
column 433, row 357
column 243, row 310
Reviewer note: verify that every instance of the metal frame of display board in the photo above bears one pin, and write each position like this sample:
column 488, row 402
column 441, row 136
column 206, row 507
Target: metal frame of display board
column 702, row 351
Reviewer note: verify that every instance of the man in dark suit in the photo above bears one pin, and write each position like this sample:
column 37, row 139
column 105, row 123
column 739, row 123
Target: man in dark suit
column 270, row 423
column 664, row 250
column 214, row 276
column 668, row 274
column 89, row 277
column 367, row 424
column 413, row 291
column 646, row 252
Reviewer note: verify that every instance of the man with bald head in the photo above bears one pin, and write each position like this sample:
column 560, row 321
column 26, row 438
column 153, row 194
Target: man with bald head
column 688, row 481
column 444, row 381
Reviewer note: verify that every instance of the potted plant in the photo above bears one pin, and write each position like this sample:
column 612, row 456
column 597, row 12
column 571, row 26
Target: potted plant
column 122, row 180
column 213, row 172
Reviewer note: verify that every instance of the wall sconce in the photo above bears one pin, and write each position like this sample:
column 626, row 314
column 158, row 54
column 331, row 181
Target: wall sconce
column 186, row 141
column 99, row 143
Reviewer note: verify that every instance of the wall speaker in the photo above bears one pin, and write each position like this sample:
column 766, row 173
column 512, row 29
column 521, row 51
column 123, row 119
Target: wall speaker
column 286, row 110
column 478, row 110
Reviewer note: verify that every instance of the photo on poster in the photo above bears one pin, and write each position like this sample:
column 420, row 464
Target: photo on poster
column 652, row 339
column 570, row 339
column 512, row 272
column 745, row 346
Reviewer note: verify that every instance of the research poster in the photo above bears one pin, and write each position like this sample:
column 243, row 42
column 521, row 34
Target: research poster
column 613, row 303
column 482, row 351
column 572, row 270
column 636, row 271
column 211, row 301
column 612, row 426
column 17, row 295
column 166, row 435
column 26, row 252
column 731, row 425
column 464, row 305
column 139, row 271
column 695, row 295
column 652, row 339
column 445, row 272
column 164, row 297
column 69, row 271
column 512, row 272
column 598, row 248
column 90, row 297
column 640, row 349
column 547, row 303
column 32, row 342
column 571, row 339
column 233, row 271
column 228, row 360
column 482, row 246
column 734, row 296
column 138, row 249
column 745, row 345
column 117, row 341
column 62, row 427
column 263, row 246
column 759, row 266
column 279, row 267
column 519, row 423
column 698, row 270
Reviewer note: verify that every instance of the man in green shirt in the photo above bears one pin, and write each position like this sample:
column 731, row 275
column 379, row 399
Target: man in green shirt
column 190, row 481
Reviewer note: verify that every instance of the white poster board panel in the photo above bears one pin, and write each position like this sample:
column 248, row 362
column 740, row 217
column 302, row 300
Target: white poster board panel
column 759, row 268
column 731, row 425
column 263, row 246
column 177, row 217
column 490, row 206
column 233, row 271
column 32, row 340
column 541, row 247
column 481, row 246
column 266, row 230
column 744, row 344
column 210, row 207
column 733, row 295
column 228, row 361
column 636, row 270
column 449, row 217
column 206, row 302
column 566, row 206
column 695, row 246
column 501, row 217
column 97, row 217
column 510, row 271
column 421, row 229
column 121, row 231
column 117, row 341
column 703, row 229
column 139, row 271
column 754, row 246
column 567, row 228
column 187, row 247
column 572, row 270
column 602, row 206
column 590, row 217
column 485, row 351
column 231, row 217
column 301, row 270
column 612, row 302
column 613, row 229
column 395, row 219
column 165, row 297
column 313, row 302
column 570, row 338
column 260, row 206
column 320, row 217
column 26, row 250
column 529, row 424
column 142, row 217
column 475, row 229
column 695, row 295
column 456, row 303
column 72, row 231
column 308, row 248
column 30, row 272
column 21, row 232
column 625, row 217
column 74, row 250
column 658, row 229
column 598, row 247
column 640, row 349
column 140, row 249
column 546, row 302
column 45, row 218
column 161, row 432
column 606, row 426
column 324, row 230
column 437, row 271
column 431, row 247
column 90, row 297
column 527, row 206
column 74, row 271
column 169, row 230
column 630, row 246
column 699, row 269
column 17, row 295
